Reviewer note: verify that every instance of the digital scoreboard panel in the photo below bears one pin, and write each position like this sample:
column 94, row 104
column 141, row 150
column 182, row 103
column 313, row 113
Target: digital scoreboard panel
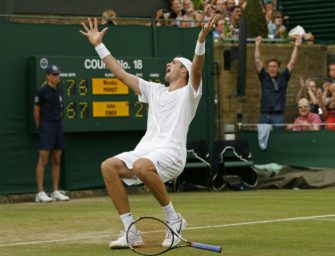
column 93, row 98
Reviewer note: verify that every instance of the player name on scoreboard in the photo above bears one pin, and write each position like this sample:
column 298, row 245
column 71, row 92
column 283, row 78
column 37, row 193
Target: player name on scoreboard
column 110, row 108
column 108, row 86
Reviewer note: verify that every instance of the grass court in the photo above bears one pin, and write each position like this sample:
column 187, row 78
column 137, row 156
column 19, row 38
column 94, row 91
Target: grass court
column 260, row 222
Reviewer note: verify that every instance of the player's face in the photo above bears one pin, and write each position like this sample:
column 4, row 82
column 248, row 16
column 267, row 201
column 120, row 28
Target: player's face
column 173, row 70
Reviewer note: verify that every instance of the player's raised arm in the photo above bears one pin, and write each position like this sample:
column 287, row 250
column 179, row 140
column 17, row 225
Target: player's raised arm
column 199, row 56
column 95, row 38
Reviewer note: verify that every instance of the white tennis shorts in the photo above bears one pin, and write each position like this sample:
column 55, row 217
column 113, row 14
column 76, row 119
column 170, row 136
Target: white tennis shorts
column 168, row 165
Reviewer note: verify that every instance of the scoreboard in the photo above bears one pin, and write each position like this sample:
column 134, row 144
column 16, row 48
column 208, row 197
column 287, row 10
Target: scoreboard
column 93, row 98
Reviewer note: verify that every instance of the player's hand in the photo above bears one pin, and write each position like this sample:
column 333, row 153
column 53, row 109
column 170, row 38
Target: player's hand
column 92, row 33
column 206, row 28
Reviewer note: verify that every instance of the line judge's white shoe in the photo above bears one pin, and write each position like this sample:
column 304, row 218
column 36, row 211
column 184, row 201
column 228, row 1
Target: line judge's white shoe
column 42, row 197
column 177, row 226
column 135, row 239
column 58, row 196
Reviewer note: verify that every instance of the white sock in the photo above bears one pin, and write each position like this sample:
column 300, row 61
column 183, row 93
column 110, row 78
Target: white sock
column 126, row 219
column 170, row 213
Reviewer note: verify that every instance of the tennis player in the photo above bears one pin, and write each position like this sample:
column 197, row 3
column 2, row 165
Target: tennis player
column 161, row 154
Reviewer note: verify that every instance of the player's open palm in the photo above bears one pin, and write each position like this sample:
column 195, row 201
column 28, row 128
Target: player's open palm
column 206, row 28
column 92, row 33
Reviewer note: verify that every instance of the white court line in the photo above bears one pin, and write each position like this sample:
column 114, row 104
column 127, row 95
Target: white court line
column 96, row 235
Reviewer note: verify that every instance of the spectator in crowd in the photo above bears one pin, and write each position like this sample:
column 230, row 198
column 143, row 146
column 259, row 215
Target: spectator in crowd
column 269, row 10
column 279, row 29
column 308, row 89
column 176, row 13
column 230, row 4
column 331, row 72
column 328, row 93
column 221, row 9
column 204, row 15
column 273, row 85
column 235, row 21
column 219, row 29
column 328, row 112
column 159, row 19
column 306, row 121
column 108, row 17
column 48, row 121
column 188, row 20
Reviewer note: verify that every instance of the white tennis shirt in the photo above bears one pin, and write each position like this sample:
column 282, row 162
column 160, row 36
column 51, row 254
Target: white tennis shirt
column 169, row 116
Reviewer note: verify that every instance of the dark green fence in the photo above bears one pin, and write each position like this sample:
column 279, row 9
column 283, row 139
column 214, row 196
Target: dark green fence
column 315, row 16
column 84, row 150
column 303, row 148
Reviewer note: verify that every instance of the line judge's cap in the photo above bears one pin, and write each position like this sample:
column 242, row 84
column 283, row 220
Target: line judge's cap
column 52, row 69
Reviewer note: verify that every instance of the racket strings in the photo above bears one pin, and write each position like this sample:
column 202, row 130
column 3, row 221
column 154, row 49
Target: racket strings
column 152, row 233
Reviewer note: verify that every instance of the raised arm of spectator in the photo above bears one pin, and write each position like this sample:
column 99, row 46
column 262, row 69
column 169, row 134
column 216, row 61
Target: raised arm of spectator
column 325, row 94
column 312, row 96
column 258, row 61
column 199, row 56
column 301, row 89
column 95, row 38
column 294, row 55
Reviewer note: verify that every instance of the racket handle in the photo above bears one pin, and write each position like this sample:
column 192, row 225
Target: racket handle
column 208, row 247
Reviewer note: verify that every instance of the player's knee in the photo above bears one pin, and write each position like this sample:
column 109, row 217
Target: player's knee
column 139, row 170
column 109, row 167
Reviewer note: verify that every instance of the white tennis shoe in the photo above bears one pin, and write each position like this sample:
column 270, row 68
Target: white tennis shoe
column 58, row 196
column 177, row 226
column 42, row 197
column 135, row 239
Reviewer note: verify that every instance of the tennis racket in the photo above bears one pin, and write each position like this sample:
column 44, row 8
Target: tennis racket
column 146, row 235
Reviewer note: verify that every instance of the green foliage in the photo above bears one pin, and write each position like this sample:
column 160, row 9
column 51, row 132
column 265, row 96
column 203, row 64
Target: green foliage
column 255, row 19
column 197, row 4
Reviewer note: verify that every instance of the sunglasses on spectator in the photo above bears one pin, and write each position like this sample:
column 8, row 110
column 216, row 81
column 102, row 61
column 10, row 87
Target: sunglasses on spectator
column 304, row 106
column 54, row 74
column 278, row 16
column 331, row 109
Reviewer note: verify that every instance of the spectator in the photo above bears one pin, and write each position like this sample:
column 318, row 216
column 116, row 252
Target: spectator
column 273, row 85
column 176, row 13
column 204, row 15
column 219, row 29
column 108, row 17
column 328, row 93
column 279, row 27
column 328, row 112
column 221, row 8
column 48, row 121
column 306, row 121
column 188, row 20
column 235, row 21
column 269, row 10
column 313, row 94
column 230, row 4
column 159, row 18
column 331, row 72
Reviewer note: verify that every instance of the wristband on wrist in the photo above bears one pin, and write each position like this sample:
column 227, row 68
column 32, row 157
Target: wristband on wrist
column 200, row 48
column 102, row 51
